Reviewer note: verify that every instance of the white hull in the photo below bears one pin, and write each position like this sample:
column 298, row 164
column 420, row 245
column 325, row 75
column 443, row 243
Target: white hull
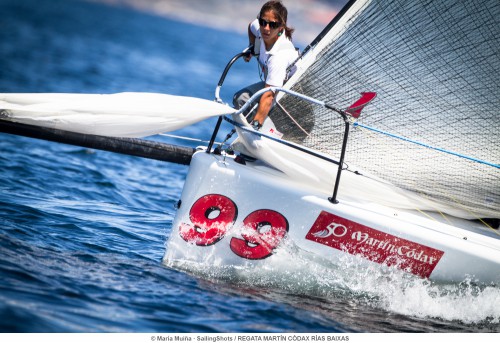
column 230, row 199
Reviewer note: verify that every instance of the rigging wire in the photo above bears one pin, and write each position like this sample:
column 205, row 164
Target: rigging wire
column 427, row 145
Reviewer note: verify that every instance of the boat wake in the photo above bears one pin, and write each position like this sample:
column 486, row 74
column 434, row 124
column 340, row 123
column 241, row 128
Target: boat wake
column 294, row 273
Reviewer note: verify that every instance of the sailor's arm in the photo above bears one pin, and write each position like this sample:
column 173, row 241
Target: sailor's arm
column 265, row 104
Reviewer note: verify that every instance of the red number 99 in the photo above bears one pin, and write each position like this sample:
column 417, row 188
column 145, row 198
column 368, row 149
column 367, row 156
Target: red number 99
column 262, row 232
column 211, row 216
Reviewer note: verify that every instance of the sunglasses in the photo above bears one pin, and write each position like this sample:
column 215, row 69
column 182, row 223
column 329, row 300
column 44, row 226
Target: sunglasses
column 272, row 24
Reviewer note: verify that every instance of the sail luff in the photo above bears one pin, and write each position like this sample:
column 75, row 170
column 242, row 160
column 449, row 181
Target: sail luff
column 326, row 37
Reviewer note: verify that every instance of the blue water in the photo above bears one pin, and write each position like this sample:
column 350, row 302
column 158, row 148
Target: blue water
column 83, row 232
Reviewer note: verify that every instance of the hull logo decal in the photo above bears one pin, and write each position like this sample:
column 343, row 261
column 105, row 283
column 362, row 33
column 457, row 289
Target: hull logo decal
column 377, row 246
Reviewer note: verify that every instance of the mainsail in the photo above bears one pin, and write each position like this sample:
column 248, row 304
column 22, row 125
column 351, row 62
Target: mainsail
column 434, row 127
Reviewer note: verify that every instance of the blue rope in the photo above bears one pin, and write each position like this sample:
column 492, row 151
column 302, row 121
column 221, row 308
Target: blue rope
column 426, row 145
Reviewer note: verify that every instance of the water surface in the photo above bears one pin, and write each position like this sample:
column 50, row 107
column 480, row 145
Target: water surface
column 82, row 232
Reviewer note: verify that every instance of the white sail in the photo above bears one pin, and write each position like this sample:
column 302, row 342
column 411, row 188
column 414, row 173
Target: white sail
column 434, row 67
column 115, row 115
column 360, row 187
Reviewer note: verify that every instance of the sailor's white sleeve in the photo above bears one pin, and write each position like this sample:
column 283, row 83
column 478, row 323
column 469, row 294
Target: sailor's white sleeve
column 255, row 28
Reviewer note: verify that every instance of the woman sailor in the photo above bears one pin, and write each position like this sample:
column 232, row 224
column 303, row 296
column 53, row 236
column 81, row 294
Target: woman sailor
column 272, row 41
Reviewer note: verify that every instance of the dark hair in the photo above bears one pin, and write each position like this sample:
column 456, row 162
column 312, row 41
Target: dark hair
column 280, row 12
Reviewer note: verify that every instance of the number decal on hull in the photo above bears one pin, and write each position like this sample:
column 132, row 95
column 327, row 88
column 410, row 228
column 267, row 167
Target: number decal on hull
column 262, row 232
column 213, row 215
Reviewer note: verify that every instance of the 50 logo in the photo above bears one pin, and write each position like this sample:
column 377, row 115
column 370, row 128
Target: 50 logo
column 213, row 215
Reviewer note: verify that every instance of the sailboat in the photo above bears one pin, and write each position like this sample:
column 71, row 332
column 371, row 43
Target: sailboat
column 381, row 152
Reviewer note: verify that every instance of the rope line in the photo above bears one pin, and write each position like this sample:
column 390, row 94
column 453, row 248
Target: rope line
column 292, row 118
column 427, row 145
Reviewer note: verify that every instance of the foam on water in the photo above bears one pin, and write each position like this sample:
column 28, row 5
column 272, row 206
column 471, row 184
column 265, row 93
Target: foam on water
column 298, row 272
